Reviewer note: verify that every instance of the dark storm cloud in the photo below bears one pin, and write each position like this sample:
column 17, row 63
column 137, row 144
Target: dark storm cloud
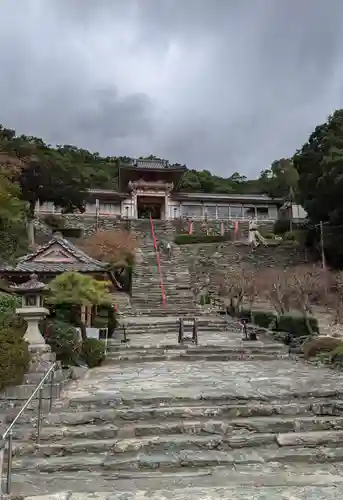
column 217, row 84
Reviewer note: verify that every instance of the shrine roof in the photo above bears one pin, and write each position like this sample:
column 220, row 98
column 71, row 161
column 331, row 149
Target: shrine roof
column 57, row 256
column 158, row 169
column 146, row 164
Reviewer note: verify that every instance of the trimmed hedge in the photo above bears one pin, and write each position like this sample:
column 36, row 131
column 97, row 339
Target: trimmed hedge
column 245, row 314
column 189, row 239
column 93, row 352
column 292, row 323
column 265, row 319
column 295, row 324
column 14, row 357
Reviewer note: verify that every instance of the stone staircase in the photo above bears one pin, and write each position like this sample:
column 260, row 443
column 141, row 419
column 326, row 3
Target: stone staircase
column 146, row 295
column 15, row 396
column 222, row 420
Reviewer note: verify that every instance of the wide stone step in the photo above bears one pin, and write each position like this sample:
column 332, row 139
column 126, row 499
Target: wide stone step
column 176, row 442
column 321, row 397
column 233, row 356
column 179, row 442
column 158, row 323
column 272, row 480
column 288, row 426
column 250, row 347
column 303, row 414
column 87, row 456
column 303, row 487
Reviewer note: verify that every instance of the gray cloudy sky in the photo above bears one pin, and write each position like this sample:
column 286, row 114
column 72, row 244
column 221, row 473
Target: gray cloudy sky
column 227, row 85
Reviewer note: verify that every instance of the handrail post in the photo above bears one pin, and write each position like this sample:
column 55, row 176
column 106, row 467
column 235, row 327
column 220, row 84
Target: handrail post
column 9, row 464
column 158, row 261
column 51, row 389
column 106, row 342
column 39, row 418
column 8, row 434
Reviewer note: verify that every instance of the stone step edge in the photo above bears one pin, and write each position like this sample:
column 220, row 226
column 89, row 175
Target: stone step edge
column 306, row 485
column 295, row 409
column 177, row 459
column 206, row 426
column 214, row 400
column 243, row 442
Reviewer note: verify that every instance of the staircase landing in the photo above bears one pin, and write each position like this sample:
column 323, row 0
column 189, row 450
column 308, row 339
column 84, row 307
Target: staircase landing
column 226, row 419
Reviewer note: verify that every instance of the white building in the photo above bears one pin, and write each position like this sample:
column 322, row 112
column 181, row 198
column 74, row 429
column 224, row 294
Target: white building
column 151, row 187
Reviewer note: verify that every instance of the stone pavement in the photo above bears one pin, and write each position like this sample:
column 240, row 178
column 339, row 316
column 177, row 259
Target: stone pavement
column 190, row 425
column 215, row 493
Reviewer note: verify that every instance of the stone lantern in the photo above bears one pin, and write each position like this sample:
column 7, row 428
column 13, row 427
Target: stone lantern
column 32, row 310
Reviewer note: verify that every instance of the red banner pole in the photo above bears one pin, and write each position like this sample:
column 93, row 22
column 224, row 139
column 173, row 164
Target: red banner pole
column 158, row 261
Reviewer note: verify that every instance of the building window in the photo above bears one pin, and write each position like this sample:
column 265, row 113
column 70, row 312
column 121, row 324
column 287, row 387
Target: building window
column 191, row 210
column 90, row 208
column 47, row 206
column 262, row 213
column 107, row 208
column 211, row 211
column 236, row 212
column 249, row 212
column 223, row 212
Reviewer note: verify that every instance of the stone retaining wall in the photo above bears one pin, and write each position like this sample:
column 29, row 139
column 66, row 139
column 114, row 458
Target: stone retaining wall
column 90, row 224
column 228, row 255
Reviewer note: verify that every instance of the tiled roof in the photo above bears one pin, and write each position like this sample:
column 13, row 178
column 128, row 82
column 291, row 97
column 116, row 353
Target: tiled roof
column 151, row 164
column 84, row 263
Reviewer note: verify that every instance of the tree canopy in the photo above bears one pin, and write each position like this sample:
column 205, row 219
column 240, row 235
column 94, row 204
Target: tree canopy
column 12, row 216
column 319, row 164
column 75, row 290
column 62, row 174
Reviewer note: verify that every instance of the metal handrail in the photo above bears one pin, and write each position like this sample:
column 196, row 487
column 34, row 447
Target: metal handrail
column 8, row 434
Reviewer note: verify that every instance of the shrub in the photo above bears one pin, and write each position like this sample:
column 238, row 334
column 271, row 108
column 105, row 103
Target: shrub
column 246, row 314
column 71, row 232
column 54, row 221
column 337, row 355
column 282, row 226
column 14, row 357
column 324, row 357
column 8, row 318
column 205, row 300
column 265, row 319
column 319, row 345
column 93, row 352
column 266, row 233
column 9, row 303
column 295, row 325
column 289, row 236
column 295, row 236
column 188, row 239
column 64, row 341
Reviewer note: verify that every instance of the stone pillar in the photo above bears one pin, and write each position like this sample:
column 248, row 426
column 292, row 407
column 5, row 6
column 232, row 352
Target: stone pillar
column 134, row 206
column 166, row 206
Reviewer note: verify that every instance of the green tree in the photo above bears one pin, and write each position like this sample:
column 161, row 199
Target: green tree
column 59, row 175
column 12, row 215
column 280, row 180
column 77, row 290
column 320, row 167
